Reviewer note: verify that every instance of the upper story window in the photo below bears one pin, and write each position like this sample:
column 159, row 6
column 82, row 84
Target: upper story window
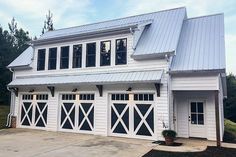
column 105, row 54
column 77, row 56
column 121, row 51
column 41, row 59
column 64, row 57
column 91, row 55
column 52, row 59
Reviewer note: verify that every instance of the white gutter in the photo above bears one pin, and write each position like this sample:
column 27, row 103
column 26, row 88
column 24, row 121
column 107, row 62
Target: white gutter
column 12, row 106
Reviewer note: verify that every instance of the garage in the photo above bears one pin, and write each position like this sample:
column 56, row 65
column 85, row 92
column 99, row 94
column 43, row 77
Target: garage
column 77, row 113
column 132, row 115
column 34, row 110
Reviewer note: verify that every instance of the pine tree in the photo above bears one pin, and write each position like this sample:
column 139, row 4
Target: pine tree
column 48, row 24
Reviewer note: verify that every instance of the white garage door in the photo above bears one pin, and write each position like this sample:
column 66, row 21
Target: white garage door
column 77, row 113
column 132, row 115
column 34, row 110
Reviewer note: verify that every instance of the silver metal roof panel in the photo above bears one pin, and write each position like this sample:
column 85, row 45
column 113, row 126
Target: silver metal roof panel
column 201, row 45
column 99, row 78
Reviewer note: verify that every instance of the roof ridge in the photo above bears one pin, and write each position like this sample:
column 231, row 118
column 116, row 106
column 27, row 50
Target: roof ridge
column 117, row 19
column 197, row 17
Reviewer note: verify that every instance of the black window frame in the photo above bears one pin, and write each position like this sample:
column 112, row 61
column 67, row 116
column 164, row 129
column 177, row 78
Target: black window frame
column 119, row 52
column 77, row 58
column 89, row 55
column 63, row 58
column 41, row 61
column 50, row 59
column 104, row 53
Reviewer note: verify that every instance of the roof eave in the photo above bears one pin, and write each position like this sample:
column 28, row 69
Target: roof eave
column 197, row 71
column 84, row 35
column 20, row 67
column 152, row 55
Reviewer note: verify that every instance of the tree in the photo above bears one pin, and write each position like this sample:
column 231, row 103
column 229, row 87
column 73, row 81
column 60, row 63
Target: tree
column 12, row 43
column 48, row 24
column 230, row 102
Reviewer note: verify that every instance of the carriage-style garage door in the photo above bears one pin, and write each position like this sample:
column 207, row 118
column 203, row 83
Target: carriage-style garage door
column 76, row 112
column 34, row 110
column 132, row 115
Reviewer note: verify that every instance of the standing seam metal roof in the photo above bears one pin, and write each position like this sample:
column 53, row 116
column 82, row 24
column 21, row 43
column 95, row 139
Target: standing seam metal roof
column 99, row 78
column 201, row 45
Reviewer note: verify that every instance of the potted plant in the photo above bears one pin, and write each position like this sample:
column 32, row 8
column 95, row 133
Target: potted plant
column 169, row 136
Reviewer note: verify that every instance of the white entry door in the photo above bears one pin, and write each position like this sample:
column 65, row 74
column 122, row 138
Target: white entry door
column 197, row 119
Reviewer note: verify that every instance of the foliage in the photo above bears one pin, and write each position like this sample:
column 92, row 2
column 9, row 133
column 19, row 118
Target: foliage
column 169, row 133
column 4, row 110
column 48, row 24
column 230, row 102
column 11, row 45
column 230, row 131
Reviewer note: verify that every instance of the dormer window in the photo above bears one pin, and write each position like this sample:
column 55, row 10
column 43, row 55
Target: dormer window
column 77, row 56
column 64, row 57
column 121, row 51
column 91, row 55
column 41, row 59
column 52, row 59
column 105, row 54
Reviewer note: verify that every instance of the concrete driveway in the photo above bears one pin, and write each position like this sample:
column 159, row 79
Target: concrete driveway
column 34, row 143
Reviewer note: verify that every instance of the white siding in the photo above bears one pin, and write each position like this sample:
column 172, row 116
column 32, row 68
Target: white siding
column 182, row 104
column 195, row 83
column 132, row 64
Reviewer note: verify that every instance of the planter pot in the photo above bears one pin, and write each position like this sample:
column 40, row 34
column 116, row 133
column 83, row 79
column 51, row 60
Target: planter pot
column 169, row 141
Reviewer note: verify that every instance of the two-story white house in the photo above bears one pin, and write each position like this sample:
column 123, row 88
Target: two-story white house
column 129, row 77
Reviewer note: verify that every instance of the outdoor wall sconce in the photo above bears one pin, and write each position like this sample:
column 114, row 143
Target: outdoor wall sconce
column 31, row 90
column 74, row 90
column 129, row 89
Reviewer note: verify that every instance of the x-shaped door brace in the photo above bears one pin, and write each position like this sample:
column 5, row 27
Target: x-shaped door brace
column 86, row 116
column 143, row 119
column 119, row 119
column 68, row 115
column 26, row 113
column 41, row 114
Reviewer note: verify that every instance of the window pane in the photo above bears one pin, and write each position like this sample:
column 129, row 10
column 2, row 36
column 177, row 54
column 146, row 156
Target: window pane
column 64, row 57
column 121, row 51
column 193, row 119
column 105, row 56
column 200, row 119
column 91, row 55
column 77, row 56
column 193, row 107
column 200, row 107
column 41, row 59
column 52, row 59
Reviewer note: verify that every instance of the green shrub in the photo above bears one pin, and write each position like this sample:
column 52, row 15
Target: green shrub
column 169, row 133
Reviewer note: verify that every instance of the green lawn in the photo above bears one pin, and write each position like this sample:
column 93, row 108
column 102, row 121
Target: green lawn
column 230, row 131
column 4, row 110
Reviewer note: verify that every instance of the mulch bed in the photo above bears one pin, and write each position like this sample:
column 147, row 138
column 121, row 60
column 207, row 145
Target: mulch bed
column 162, row 143
column 209, row 152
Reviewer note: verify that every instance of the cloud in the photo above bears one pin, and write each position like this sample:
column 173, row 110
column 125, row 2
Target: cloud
column 230, row 41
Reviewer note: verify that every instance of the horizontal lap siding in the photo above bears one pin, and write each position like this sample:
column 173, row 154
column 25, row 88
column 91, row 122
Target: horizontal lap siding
column 195, row 83
column 182, row 104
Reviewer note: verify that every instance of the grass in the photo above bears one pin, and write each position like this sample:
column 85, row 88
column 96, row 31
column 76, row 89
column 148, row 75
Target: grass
column 230, row 131
column 209, row 152
column 4, row 110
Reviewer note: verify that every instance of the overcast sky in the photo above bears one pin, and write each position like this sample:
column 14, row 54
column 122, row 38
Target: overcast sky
column 30, row 14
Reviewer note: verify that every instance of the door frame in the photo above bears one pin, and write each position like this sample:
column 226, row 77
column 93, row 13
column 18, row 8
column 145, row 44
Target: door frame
column 131, row 102
column 189, row 114
column 33, row 103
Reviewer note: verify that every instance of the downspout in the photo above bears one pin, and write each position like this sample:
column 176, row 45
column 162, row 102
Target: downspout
column 12, row 106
